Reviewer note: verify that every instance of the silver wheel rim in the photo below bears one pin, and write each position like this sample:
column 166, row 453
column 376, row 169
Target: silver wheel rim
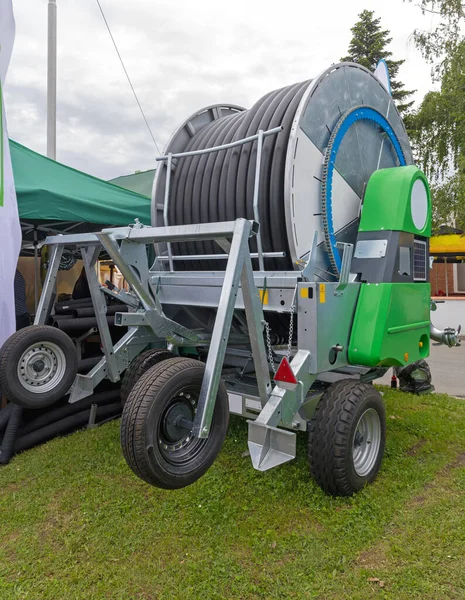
column 366, row 442
column 41, row 367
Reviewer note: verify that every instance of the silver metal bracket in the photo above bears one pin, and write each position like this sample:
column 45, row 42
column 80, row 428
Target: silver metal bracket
column 344, row 277
column 308, row 272
column 238, row 270
column 90, row 257
column 268, row 445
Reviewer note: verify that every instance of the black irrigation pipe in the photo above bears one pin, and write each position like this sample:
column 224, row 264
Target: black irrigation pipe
column 86, row 364
column 11, row 431
column 76, row 301
column 68, row 307
column 64, row 426
column 90, row 312
column 53, row 318
column 53, row 416
column 219, row 186
column 5, row 415
column 72, row 325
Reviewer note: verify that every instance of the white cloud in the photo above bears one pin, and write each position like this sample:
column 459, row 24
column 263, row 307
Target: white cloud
column 180, row 56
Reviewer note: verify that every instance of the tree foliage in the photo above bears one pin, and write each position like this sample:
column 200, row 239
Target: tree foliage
column 368, row 46
column 439, row 44
column 439, row 123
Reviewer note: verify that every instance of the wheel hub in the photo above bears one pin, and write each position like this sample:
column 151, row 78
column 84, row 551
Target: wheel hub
column 358, row 439
column 176, row 419
column 41, row 367
column 177, row 423
column 38, row 366
column 366, row 442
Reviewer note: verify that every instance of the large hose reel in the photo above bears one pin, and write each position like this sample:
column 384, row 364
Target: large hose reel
column 336, row 131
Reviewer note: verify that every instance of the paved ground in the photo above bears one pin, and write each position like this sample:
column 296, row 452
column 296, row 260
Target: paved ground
column 448, row 370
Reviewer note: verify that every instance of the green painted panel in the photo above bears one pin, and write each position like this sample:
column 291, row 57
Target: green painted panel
column 387, row 205
column 391, row 325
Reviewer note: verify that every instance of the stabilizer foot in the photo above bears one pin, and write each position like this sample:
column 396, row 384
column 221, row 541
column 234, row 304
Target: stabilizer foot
column 270, row 446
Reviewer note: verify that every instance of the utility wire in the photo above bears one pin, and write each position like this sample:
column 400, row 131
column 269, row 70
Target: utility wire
column 127, row 75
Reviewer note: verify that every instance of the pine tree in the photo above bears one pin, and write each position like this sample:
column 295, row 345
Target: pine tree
column 368, row 47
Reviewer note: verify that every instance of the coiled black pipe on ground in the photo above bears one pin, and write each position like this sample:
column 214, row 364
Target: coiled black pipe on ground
column 56, row 415
column 5, row 415
column 11, row 432
column 65, row 426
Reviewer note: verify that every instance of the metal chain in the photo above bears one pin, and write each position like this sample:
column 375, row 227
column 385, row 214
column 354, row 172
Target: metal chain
column 291, row 325
column 268, row 345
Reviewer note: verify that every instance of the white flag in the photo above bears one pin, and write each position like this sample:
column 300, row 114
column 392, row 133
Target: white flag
column 10, row 230
column 382, row 73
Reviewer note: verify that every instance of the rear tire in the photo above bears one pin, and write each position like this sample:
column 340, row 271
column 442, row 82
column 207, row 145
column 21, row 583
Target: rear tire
column 38, row 365
column 347, row 436
column 139, row 366
column 159, row 449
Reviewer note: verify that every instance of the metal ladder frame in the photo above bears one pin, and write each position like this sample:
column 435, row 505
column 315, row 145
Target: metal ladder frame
column 268, row 445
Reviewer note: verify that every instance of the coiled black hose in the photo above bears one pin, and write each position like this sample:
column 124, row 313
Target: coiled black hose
column 66, row 425
column 219, row 186
column 9, row 437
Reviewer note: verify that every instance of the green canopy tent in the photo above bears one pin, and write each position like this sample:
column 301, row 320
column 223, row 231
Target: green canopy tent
column 140, row 182
column 54, row 198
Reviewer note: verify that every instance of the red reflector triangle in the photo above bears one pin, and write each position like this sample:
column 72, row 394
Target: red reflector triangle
column 284, row 373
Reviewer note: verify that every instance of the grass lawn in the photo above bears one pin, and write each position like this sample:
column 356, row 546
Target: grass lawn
column 76, row 523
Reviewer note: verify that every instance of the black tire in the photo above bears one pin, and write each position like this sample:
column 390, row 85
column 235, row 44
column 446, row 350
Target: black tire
column 342, row 461
column 146, row 425
column 38, row 345
column 139, row 366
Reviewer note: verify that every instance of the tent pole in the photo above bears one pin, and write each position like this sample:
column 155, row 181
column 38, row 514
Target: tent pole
column 52, row 80
column 36, row 272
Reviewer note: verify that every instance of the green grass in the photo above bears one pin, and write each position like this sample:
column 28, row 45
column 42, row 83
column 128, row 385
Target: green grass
column 76, row 523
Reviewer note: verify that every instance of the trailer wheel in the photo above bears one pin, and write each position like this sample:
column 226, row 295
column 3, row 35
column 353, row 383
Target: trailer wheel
column 139, row 366
column 347, row 435
column 38, row 365
column 157, row 420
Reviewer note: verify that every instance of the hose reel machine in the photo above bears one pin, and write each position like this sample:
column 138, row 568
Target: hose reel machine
column 337, row 130
column 291, row 270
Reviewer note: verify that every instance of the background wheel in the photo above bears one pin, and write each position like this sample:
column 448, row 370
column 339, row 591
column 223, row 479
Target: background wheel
column 38, row 365
column 139, row 366
column 157, row 420
column 347, row 436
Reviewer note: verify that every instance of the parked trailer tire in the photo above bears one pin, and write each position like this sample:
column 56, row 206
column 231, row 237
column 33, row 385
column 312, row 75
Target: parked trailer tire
column 140, row 365
column 347, row 436
column 157, row 448
column 38, row 364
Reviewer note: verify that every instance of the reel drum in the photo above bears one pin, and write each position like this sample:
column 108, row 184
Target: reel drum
column 296, row 200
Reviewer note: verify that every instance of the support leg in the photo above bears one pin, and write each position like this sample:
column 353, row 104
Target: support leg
column 219, row 340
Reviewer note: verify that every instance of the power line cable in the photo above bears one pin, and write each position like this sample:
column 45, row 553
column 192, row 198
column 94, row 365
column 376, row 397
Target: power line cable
column 128, row 78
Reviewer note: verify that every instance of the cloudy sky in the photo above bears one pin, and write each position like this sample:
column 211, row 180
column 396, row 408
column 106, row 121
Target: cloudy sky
column 181, row 55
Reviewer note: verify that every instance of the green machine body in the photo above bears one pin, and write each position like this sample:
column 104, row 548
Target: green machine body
column 391, row 325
